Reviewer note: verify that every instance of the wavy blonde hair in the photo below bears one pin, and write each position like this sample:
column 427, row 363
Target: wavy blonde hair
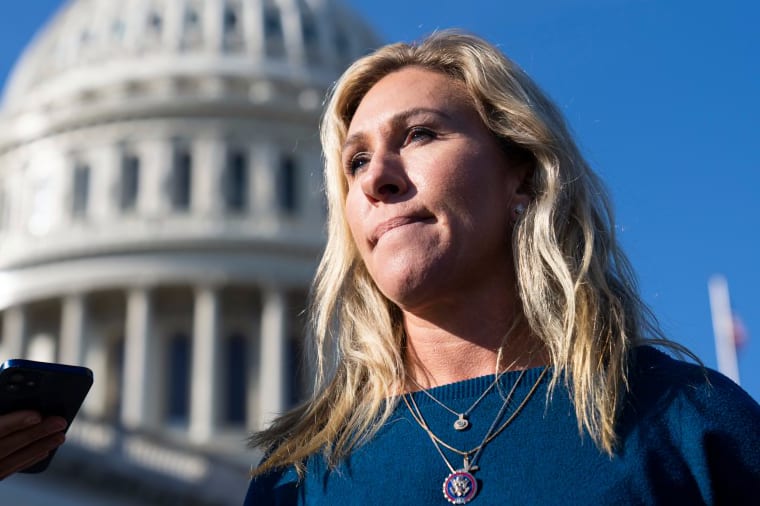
column 577, row 289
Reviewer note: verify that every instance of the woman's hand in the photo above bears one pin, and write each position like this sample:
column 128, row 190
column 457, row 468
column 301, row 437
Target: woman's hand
column 26, row 438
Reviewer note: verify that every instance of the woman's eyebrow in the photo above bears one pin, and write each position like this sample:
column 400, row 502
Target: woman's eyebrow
column 396, row 120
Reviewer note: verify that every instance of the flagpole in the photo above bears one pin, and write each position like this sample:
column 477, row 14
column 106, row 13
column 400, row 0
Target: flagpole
column 723, row 327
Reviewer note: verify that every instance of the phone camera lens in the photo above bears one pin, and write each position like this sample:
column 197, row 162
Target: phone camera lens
column 17, row 378
column 31, row 383
column 11, row 388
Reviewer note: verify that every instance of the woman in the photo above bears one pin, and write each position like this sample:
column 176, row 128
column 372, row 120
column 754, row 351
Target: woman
column 26, row 438
column 478, row 331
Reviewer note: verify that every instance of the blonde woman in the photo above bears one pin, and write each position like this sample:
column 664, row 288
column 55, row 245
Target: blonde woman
column 479, row 336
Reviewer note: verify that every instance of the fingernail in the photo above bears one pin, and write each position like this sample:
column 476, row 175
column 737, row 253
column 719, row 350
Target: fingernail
column 32, row 420
column 58, row 425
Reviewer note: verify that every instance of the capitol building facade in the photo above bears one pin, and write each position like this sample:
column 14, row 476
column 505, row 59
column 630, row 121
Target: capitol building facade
column 161, row 217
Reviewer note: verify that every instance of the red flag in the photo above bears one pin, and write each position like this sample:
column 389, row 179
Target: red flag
column 740, row 331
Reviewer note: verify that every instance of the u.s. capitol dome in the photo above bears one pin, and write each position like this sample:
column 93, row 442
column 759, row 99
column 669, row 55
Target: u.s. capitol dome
column 160, row 221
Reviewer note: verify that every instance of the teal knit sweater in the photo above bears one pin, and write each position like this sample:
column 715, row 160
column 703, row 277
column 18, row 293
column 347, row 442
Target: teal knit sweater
column 687, row 436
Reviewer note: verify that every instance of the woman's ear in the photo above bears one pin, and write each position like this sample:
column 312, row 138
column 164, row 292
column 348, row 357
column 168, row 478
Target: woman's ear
column 523, row 193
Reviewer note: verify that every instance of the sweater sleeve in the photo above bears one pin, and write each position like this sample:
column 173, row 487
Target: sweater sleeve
column 704, row 424
column 276, row 488
column 731, row 443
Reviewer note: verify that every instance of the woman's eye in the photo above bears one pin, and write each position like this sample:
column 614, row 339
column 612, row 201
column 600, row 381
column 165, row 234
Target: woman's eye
column 417, row 134
column 356, row 162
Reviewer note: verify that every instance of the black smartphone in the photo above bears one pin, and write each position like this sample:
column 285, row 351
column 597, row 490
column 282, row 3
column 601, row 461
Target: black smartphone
column 48, row 388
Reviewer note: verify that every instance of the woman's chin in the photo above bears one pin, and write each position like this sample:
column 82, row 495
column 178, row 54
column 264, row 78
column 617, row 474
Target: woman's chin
column 410, row 289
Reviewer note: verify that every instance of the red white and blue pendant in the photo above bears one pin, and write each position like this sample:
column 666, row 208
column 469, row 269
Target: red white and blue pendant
column 460, row 487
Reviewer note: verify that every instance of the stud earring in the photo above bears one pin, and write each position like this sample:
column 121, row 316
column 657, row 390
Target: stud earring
column 517, row 213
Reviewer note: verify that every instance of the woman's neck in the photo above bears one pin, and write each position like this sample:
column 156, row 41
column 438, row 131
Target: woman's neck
column 438, row 354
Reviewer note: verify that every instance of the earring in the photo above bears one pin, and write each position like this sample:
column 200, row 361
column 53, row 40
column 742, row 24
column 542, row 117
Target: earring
column 517, row 212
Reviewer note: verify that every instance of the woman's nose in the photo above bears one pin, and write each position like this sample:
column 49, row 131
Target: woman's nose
column 385, row 178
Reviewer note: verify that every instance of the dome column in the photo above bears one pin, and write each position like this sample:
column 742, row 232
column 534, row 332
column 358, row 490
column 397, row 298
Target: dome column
column 140, row 383
column 134, row 25
column 292, row 32
column 264, row 165
column 272, row 367
column 213, row 26
column 73, row 329
column 208, row 198
column 253, row 27
column 104, row 183
column 78, row 348
column 154, row 198
column 14, row 332
column 174, row 16
column 205, row 388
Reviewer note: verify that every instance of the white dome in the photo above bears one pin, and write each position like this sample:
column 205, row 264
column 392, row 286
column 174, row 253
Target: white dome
column 93, row 49
column 228, row 90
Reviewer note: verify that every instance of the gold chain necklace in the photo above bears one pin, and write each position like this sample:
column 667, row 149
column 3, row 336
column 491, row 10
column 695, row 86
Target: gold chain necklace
column 462, row 422
column 460, row 486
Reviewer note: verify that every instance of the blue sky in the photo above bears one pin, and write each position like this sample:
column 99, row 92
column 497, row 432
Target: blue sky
column 664, row 99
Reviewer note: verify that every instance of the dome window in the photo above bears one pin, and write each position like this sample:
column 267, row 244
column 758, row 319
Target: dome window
column 231, row 29
column 191, row 17
column 309, row 30
column 192, row 33
column 310, row 36
column 275, row 42
column 130, row 182
column 178, row 388
column 181, row 179
column 85, row 38
column 272, row 22
column 236, row 181
column 117, row 29
column 81, row 190
column 236, row 371
column 154, row 26
column 155, row 22
column 230, row 19
column 342, row 46
column 287, row 191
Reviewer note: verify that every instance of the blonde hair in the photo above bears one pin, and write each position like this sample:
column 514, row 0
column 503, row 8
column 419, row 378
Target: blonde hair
column 577, row 289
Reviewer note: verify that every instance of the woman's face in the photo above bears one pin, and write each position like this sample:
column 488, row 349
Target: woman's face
column 430, row 190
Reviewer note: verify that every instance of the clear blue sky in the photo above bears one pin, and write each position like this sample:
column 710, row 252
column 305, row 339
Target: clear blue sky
column 664, row 98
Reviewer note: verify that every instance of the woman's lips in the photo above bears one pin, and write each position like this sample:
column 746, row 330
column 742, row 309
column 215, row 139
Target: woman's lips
column 392, row 223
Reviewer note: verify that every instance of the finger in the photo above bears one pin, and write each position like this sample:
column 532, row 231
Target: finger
column 18, row 420
column 30, row 454
column 15, row 441
column 11, row 466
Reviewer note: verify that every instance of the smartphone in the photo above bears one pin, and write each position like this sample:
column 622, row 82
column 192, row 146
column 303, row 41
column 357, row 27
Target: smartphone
column 48, row 388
